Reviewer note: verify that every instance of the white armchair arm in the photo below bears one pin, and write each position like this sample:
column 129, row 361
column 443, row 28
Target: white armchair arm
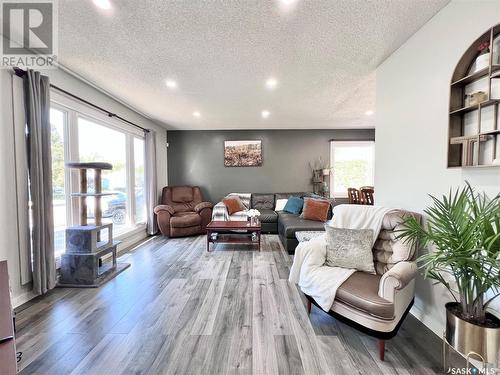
column 397, row 278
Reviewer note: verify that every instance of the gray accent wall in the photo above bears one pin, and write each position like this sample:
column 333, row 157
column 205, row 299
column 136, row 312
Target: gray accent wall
column 197, row 158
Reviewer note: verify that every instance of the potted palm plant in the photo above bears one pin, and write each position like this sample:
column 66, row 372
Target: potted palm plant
column 464, row 231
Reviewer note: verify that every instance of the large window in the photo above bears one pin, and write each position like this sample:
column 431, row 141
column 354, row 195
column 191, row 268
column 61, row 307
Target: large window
column 140, row 199
column 352, row 166
column 58, row 121
column 94, row 145
column 83, row 134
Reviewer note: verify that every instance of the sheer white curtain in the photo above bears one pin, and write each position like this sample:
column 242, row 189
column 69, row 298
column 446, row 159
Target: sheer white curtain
column 151, row 182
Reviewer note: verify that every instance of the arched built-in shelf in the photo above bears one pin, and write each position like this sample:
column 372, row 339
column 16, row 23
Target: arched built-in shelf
column 474, row 132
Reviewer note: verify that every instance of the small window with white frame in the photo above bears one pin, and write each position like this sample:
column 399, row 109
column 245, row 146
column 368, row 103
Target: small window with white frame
column 353, row 165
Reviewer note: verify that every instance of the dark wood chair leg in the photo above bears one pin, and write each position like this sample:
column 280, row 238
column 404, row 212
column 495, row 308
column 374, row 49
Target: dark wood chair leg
column 381, row 349
column 309, row 307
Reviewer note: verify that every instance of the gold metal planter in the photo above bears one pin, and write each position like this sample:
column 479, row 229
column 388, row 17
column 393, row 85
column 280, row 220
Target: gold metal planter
column 472, row 340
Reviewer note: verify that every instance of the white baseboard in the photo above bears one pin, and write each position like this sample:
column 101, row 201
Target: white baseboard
column 22, row 298
column 427, row 320
column 129, row 242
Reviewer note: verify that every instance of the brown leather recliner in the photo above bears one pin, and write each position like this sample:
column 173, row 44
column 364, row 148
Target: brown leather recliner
column 182, row 211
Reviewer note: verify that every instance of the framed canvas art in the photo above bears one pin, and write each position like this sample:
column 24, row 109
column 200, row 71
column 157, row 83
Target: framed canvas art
column 243, row 153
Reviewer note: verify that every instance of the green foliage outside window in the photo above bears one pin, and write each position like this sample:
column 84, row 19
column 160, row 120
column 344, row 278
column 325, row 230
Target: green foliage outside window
column 351, row 173
column 57, row 159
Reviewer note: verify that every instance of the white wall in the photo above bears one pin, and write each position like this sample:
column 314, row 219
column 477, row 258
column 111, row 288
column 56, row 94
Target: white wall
column 412, row 121
column 9, row 247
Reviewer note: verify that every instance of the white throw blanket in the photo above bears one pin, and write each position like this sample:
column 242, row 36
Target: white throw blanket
column 308, row 270
column 314, row 278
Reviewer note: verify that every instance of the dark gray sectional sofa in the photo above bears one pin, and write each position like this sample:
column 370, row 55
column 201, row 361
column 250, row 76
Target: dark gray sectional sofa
column 283, row 223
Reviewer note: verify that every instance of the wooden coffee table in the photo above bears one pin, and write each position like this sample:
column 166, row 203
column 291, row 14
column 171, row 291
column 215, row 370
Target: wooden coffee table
column 226, row 232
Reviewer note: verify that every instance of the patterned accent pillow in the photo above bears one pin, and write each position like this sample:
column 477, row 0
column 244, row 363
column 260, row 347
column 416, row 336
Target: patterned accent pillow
column 233, row 204
column 349, row 248
column 315, row 209
column 262, row 201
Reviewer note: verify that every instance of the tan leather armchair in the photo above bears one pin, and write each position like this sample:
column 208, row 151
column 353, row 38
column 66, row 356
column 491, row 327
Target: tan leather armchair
column 377, row 304
column 182, row 211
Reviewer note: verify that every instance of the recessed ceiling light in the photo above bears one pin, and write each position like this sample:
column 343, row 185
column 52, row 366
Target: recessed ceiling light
column 265, row 114
column 103, row 4
column 171, row 84
column 369, row 113
column 271, row 83
column 196, row 114
column 287, row 2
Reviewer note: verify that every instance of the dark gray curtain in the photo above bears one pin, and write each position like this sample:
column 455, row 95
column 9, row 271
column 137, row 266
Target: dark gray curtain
column 37, row 105
column 151, row 182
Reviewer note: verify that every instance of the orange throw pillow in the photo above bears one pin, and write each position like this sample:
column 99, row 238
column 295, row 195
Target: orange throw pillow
column 233, row 204
column 316, row 209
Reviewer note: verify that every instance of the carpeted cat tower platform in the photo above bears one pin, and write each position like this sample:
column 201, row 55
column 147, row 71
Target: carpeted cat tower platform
column 86, row 261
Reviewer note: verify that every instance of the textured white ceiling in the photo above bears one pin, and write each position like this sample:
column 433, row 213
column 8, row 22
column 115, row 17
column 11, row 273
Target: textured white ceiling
column 322, row 52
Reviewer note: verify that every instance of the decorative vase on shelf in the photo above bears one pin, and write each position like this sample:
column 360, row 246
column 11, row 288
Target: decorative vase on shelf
column 317, row 175
column 482, row 61
column 325, row 189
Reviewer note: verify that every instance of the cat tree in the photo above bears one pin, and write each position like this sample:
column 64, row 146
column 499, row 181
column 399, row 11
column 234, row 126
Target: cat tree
column 87, row 244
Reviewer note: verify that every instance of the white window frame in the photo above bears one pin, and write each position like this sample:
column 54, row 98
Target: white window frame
column 333, row 145
column 68, row 155
column 74, row 110
column 143, row 139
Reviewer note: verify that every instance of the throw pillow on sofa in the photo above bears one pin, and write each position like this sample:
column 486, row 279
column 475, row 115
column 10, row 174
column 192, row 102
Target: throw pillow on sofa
column 315, row 209
column 262, row 201
column 244, row 197
column 280, row 204
column 349, row 248
column 233, row 204
column 294, row 205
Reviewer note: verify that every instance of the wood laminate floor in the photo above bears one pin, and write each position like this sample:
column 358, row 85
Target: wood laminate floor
column 181, row 310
